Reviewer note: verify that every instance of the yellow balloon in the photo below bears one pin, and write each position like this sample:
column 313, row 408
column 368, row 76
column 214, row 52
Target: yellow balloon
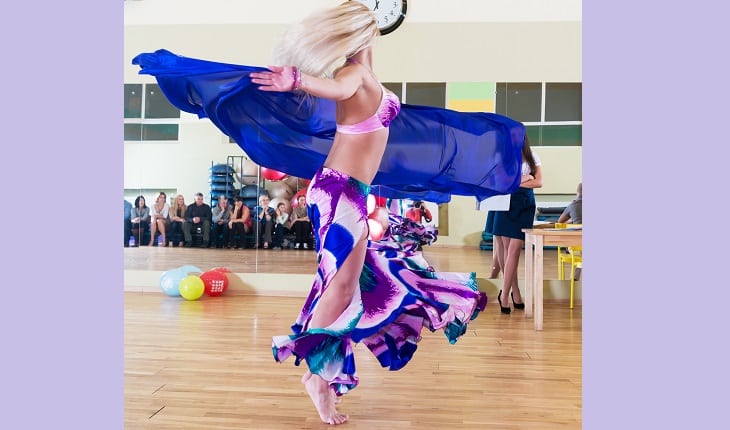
column 192, row 287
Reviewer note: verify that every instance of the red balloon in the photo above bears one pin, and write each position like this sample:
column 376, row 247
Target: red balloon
column 272, row 174
column 215, row 282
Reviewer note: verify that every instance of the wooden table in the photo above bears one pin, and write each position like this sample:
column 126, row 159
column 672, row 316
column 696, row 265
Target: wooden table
column 539, row 237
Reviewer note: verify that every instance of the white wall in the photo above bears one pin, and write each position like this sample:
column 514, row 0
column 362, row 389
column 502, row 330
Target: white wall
column 440, row 41
column 157, row 12
column 180, row 165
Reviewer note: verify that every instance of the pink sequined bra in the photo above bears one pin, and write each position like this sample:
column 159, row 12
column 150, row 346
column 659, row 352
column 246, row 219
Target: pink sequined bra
column 387, row 111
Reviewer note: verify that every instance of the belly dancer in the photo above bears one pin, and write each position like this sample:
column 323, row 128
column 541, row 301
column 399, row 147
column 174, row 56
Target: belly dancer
column 313, row 115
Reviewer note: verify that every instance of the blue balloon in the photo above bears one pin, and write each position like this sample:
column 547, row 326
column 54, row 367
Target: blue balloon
column 170, row 282
column 189, row 269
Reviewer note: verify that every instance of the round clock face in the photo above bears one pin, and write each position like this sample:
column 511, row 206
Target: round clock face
column 389, row 13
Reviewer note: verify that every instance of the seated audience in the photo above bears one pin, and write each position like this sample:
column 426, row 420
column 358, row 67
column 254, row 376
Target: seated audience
column 127, row 222
column 281, row 228
column 221, row 218
column 197, row 214
column 240, row 223
column 177, row 218
column 264, row 217
column 159, row 218
column 300, row 224
column 140, row 219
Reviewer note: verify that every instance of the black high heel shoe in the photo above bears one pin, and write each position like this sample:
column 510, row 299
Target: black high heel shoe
column 506, row 310
column 520, row 306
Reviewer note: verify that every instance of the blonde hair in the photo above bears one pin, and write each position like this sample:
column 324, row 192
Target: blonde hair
column 319, row 42
column 178, row 210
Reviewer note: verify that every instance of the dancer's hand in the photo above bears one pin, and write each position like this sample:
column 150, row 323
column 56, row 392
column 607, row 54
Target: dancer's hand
column 280, row 78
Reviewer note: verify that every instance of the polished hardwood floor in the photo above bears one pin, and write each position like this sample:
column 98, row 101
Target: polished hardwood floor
column 207, row 364
column 442, row 258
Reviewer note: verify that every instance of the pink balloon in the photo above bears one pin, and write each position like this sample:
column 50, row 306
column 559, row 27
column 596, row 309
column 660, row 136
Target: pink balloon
column 376, row 229
column 378, row 223
column 380, row 214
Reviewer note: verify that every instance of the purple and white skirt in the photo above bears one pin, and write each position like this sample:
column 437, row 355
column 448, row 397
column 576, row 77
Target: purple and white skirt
column 399, row 292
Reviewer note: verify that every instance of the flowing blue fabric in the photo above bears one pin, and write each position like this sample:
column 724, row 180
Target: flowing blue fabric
column 432, row 153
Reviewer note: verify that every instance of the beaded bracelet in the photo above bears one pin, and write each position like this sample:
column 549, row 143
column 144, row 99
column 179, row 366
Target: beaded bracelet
column 297, row 77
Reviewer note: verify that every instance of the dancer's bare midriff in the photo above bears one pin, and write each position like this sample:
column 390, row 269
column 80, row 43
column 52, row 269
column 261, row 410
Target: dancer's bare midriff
column 358, row 155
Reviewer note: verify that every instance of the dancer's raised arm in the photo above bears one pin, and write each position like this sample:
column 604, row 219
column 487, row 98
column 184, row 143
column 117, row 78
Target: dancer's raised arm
column 289, row 78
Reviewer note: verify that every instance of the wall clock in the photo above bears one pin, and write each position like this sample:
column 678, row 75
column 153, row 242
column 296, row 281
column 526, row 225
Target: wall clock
column 388, row 13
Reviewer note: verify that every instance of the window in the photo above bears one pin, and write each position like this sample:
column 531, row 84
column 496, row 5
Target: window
column 555, row 135
column 563, row 102
column 156, row 104
column 551, row 112
column 519, row 101
column 426, row 94
column 133, row 101
column 148, row 115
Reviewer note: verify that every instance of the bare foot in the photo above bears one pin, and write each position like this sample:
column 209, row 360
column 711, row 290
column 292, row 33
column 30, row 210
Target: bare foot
column 335, row 397
column 322, row 397
column 495, row 273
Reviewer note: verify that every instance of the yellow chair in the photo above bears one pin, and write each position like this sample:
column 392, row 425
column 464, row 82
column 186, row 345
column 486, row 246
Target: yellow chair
column 576, row 261
column 573, row 256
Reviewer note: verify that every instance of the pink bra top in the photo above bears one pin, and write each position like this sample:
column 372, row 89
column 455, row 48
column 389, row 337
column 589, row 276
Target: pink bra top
column 386, row 112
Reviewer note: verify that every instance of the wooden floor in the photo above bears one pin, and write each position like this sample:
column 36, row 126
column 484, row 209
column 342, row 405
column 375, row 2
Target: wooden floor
column 442, row 258
column 207, row 364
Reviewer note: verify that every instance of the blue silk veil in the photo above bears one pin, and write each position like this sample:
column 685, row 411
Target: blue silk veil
column 432, row 153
